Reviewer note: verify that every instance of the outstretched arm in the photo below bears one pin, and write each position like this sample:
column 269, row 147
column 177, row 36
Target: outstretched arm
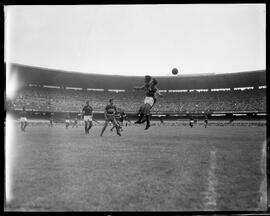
column 158, row 92
column 138, row 87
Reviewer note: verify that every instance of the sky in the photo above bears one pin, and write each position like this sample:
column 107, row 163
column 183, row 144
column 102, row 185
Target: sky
column 138, row 39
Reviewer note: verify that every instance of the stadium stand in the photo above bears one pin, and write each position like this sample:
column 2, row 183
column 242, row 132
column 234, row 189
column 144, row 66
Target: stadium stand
column 57, row 100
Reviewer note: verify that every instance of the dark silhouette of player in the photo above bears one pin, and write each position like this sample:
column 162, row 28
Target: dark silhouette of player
column 120, row 116
column 51, row 119
column 191, row 122
column 67, row 120
column 205, row 121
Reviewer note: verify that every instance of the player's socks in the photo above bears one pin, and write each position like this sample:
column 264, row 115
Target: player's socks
column 147, row 122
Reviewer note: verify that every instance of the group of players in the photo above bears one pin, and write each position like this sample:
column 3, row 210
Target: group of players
column 111, row 113
column 114, row 115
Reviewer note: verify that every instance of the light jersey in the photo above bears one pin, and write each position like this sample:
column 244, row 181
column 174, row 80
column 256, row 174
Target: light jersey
column 88, row 110
column 110, row 109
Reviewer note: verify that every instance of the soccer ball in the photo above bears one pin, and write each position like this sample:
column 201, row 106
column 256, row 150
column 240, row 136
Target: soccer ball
column 174, row 71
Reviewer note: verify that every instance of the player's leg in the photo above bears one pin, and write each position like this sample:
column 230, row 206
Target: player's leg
column 112, row 128
column 147, row 109
column 114, row 122
column 104, row 127
column 90, row 124
column 141, row 115
column 25, row 125
column 85, row 126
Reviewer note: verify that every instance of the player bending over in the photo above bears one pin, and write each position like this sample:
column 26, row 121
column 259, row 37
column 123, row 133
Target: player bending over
column 150, row 99
column 23, row 119
column 120, row 117
column 109, row 115
column 87, row 117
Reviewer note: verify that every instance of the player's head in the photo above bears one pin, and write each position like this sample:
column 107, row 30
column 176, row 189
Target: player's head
column 23, row 108
column 111, row 101
column 87, row 102
column 147, row 79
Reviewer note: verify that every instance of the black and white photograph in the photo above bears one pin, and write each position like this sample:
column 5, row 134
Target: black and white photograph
column 132, row 108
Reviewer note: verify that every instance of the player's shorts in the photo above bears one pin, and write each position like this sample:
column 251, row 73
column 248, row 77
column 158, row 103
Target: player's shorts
column 23, row 119
column 67, row 121
column 191, row 122
column 110, row 117
column 149, row 100
column 87, row 118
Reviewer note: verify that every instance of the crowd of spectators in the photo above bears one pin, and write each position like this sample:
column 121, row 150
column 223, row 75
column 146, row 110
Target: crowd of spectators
column 57, row 100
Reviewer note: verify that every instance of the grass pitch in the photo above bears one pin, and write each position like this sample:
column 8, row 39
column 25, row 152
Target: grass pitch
column 166, row 168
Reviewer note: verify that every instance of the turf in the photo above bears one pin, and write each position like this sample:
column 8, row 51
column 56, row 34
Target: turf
column 166, row 168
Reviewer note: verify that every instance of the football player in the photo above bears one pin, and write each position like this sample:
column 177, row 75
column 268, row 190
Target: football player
column 151, row 91
column 109, row 115
column 23, row 119
column 87, row 117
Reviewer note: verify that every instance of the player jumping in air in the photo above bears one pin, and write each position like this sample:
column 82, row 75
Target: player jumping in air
column 109, row 115
column 23, row 119
column 150, row 99
column 87, row 117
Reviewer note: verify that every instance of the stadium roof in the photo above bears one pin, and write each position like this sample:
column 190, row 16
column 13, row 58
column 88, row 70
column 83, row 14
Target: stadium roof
column 43, row 76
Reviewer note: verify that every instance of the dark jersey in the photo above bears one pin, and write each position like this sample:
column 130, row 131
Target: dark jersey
column 110, row 109
column 121, row 116
column 87, row 110
column 23, row 114
column 150, row 91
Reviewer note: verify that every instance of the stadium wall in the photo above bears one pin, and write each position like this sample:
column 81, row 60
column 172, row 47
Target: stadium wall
column 61, row 116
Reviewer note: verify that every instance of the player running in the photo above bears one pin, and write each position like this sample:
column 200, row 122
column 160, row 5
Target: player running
column 87, row 117
column 151, row 91
column 109, row 115
column 23, row 119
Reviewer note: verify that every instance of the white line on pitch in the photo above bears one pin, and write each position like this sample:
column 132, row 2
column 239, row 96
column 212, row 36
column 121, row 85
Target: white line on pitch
column 211, row 195
column 263, row 187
